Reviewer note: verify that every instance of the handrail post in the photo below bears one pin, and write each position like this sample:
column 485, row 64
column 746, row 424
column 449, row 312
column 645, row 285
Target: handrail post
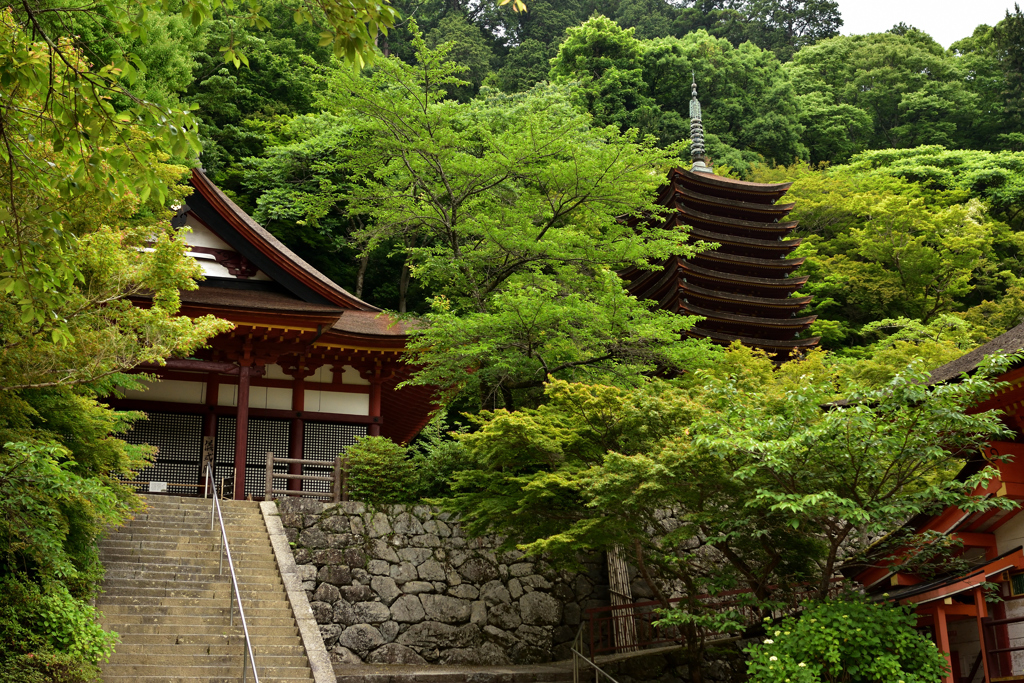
column 268, row 492
column 244, row 653
column 336, row 493
column 213, row 498
column 344, row 477
column 232, row 607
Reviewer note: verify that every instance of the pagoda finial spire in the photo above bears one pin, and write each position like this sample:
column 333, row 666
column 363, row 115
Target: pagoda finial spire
column 700, row 161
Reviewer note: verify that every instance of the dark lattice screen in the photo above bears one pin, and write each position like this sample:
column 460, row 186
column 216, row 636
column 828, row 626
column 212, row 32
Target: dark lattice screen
column 325, row 441
column 264, row 436
column 180, row 440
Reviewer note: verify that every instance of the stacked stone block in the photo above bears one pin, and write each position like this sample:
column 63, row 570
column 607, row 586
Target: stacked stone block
column 403, row 585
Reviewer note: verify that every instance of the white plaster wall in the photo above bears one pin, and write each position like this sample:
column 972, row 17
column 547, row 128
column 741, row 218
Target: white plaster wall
column 171, row 390
column 275, row 371
column 323, row 374
column 351, row 376
column 274, row 398
column 1011, row 534
column 201, row 236
column 963, row 638
column 227, row 395
column 337, row 402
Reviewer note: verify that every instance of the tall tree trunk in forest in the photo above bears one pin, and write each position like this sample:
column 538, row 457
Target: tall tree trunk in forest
column 403, row 282
column 364, row 260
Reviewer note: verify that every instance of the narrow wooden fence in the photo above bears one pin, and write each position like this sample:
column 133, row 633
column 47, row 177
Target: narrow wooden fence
column 339, row 480
column 606, row 624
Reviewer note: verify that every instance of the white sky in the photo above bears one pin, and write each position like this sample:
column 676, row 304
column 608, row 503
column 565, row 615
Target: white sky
column 947, row 21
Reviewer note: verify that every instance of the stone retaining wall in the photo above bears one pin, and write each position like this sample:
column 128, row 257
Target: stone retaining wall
column 403, row 585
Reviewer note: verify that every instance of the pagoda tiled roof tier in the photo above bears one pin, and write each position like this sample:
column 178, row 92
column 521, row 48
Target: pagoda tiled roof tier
column 784, row 324
column 739, row 303
column 776, row 345
column 729, row 188
column 751, row 211
column 747, row 246
column 732, row 226
column 725, row 261
column 744, row 289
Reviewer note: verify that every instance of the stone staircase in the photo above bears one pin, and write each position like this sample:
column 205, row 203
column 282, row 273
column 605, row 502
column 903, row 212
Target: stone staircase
column 163, row 595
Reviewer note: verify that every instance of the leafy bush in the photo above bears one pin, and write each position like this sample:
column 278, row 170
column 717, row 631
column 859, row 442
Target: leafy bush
column 849, row 641
column 381, row 472
column 46, row 634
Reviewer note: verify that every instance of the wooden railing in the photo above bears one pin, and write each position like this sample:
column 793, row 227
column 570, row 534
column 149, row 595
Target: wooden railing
column 637, row 620
column 339, row 480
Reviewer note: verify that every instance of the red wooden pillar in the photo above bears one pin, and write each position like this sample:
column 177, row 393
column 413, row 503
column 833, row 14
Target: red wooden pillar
column 296, row 428
column 942, row 637
column 209, row 428
column 375, row 384
column 241, row 427
column 981, row 608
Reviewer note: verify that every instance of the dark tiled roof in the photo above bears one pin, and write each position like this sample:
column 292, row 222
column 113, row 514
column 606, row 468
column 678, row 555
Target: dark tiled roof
column 371, row 323
column 274, row 244
column 1008, row 342
column 255, row 299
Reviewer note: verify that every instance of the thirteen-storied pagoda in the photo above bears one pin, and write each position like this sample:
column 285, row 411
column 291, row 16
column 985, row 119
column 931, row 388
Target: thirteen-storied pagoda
column 742, row 289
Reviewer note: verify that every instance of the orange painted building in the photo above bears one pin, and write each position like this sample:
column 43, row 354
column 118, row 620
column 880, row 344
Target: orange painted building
column 307, row 369
column 984, row 640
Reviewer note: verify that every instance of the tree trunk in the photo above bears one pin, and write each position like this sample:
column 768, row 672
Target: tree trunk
column 364, row 261
column 403, row 287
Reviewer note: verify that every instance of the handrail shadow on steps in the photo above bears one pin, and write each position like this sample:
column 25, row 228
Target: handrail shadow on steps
column 578, row 658
column 225, row 549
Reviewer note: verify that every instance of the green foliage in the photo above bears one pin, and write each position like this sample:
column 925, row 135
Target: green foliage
column 881, row 241
column 508, row 209
column 380, row 472
column 468, row 49
column 910, row 89
column 750, row 109
column 852, row 641
column 596, row 467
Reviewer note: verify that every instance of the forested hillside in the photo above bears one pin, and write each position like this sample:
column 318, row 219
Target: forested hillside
column 908, row 158
column 472, row 164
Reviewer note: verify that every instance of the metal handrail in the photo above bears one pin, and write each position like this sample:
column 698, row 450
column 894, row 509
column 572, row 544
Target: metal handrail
column 577, row 656
column 215, row 514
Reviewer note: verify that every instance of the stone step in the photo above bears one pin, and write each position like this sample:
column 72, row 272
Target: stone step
column 188, row 678
column 205, row 631
column 206, row 649
column 186, row 544
column 182, row 565
column 202, row 605
column 252, row 556
column 228, row 660
column 186, row 591
column 138, row 670
column 135, row 574
column 207, row 639
column 221, row 617
column 146, row 533
column 192, row 522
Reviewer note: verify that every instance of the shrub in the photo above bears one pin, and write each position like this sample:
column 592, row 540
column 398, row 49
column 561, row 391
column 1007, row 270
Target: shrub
column 852, row 641
column 381, row 472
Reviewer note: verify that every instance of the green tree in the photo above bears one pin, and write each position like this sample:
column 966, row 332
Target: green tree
column 469, row 49
column 913, row 91
column 744, row 455
column 603, row 60
column 785, row 26
column 878, row 246
column 750, row 109
column 1008, row 37
column 850, row 640
column 526, row 65
column 507, row 209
